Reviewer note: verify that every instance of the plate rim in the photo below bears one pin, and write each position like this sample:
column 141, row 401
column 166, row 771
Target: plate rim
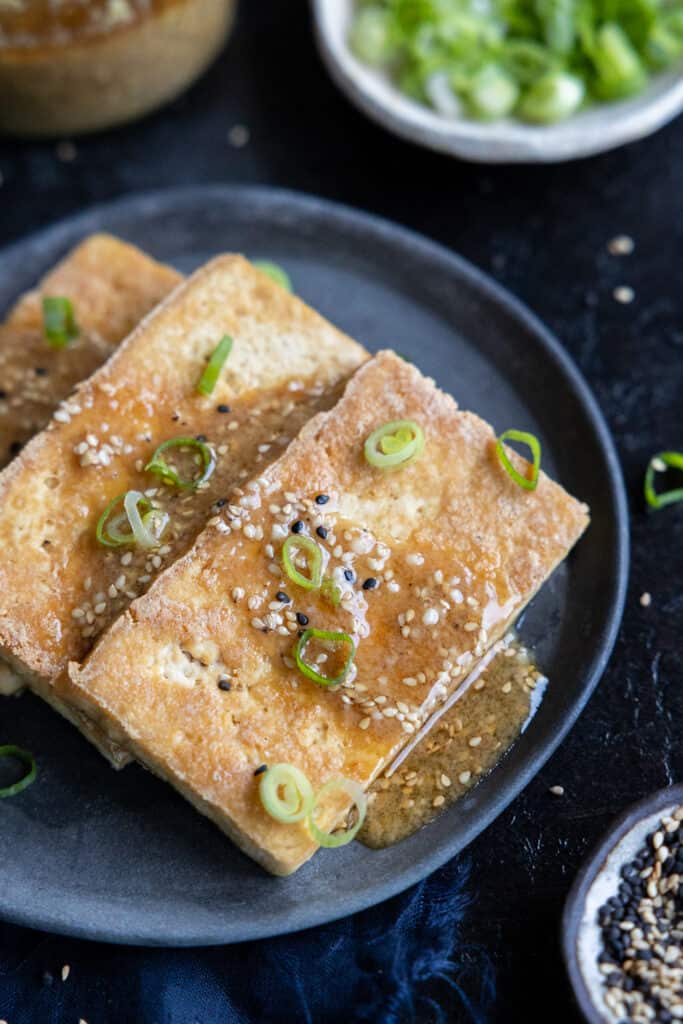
column 63, row 234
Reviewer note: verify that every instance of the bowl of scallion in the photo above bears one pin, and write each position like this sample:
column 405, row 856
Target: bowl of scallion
column 503, row 81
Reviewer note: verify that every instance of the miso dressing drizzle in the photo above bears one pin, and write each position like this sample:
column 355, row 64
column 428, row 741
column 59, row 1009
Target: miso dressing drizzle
column 445, row 764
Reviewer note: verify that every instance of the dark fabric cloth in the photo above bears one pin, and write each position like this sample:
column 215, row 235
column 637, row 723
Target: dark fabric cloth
column 405, row 960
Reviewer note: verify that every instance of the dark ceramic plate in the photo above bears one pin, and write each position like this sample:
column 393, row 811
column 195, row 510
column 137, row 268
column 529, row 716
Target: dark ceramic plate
column 597, row 880
column 120, row 857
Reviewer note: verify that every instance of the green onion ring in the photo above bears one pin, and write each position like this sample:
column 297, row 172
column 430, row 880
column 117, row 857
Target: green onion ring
column 394, row 444
column 314, row 559
column 331, row 590
column 26, row 759
column 160, row 467
column 528, row 483
column 657, row 464
column 59, row 321
column 209, row 378
column 331, row 840
column 332, row 637
column 286, row 793
column 145, row 530
column 275, row 273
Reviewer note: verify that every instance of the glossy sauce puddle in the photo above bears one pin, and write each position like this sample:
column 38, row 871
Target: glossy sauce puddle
column 466, row 743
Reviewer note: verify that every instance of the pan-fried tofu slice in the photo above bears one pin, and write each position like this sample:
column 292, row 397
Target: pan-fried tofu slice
column 112, row 286
column 59, row 587
column 433, row 562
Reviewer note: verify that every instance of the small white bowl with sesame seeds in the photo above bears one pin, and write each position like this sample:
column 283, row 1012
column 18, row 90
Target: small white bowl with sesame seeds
column 597, row 882
column 594, row 130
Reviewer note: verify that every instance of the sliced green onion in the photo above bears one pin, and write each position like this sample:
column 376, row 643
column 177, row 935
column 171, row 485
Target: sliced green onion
column 370, row 36
column 658, row 464
column 491, row 93
column 168, row 474
column 286, row 793
column 26, row 759
column 529, row 483
column 314, row 561
column 394, row 444
column 331, row 590
column 620, row 71
column 336, row 639
column 275, row 273
column 143, row 529
column 337, row 838
column 59, row 321
column 552, row 98
column 209, row 379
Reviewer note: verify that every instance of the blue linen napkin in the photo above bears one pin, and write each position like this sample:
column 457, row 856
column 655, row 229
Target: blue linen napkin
column 405, row 960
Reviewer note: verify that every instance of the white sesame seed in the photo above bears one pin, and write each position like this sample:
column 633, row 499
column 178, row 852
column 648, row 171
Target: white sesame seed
column 415, row 558
column 621, row 245
column 471, row 626
column 364, row 723
column 557, row 790
column 430, row 617
column 445, row 781
column 646, row 599
column 624, row 294
column 464, row 778
column 475, row 741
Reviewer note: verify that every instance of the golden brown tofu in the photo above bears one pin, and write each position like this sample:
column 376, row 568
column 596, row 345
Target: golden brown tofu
column 112, row 286
column 433, row 562
column 285, row 365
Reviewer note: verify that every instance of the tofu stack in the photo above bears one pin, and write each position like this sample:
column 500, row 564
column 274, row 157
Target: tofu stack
column 287, row 364
column 432, row 562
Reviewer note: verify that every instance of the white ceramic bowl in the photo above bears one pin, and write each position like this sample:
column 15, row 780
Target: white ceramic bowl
column 594, row 130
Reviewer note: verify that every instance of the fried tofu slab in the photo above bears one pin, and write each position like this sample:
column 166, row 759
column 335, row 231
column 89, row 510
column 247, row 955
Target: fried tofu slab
column 112, row 286
column 433, row 561
column 59, row 587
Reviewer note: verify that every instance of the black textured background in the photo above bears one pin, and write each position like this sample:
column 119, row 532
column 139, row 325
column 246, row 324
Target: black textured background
column 543, row 233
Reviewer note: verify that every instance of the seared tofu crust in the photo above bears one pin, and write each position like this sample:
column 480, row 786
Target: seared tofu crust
column 433, row 562
column 112, row 286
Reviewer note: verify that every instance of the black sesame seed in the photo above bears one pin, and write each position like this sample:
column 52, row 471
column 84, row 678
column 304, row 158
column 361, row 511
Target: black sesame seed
column 175, row 417
column 222, row 407
column 224, row 684
column 220, row 502
column 322, row 532
column 261, row 769
column 349, row 575
column 15, row 447
column 302, row 619
column 41, row 371
column 370, row 583
column 297, row 527
column 201, row 438
column 322, row 499
column 281, row 596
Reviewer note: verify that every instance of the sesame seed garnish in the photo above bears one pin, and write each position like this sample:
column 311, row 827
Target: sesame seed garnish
column 430, row 617
column 222, row 408
column 224, row 684
column 464, row 778
column 624, row 294
column 364, row 723
column 621, row 245
column 475, row 741
column 646, row 599
column 370, row 583
column 322, row 499
column 297, row 527
column 302, row 619
column 557, row 790
column 322, row 532
column 284, row 598
column 66, row 971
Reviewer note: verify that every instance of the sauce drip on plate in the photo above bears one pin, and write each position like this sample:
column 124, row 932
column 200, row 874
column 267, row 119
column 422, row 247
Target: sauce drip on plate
column 465, row 744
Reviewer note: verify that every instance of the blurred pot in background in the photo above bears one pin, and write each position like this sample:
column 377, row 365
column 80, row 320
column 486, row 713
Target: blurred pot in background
column 72, row 66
